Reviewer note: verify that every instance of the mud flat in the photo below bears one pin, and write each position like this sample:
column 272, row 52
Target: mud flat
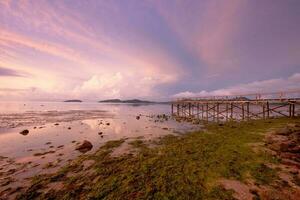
column 245, row 160
column 35, row 144
column 38, row 118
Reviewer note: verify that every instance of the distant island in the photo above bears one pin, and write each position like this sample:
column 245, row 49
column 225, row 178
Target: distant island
column 73, row 100
column 135, row 101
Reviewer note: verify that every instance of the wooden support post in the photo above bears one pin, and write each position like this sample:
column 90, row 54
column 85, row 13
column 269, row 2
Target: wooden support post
column 290, row 110
column 243, row 112
column 178, row 109
column 198, row 110
column 248, row 107
column 189, row 109
column 293, row 110
column 214, row 112
column 172, row 108
column 226, row 111
column 207, row 111
column 181, row 110
column 268, row 110
column 218, row 112
column 202, row 111
column 264, row 111
column 231, row 110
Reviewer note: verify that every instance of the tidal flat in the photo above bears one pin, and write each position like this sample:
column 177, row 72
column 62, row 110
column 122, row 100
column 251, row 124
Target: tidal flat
column 39, row 138
column 247, row 160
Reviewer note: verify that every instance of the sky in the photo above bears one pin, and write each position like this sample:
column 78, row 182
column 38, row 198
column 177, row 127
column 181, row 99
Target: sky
column 148, row 49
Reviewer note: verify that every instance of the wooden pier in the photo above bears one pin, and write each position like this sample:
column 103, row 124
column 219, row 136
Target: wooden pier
column 237, row 107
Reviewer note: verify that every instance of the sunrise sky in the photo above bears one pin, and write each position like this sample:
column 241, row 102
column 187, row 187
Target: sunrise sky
column 93, row 49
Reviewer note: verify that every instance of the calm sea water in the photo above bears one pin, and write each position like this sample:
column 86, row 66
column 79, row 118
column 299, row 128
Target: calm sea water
column 21, row 107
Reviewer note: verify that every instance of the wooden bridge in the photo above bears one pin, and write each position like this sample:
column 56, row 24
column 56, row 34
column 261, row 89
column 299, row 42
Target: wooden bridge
column 239, row 107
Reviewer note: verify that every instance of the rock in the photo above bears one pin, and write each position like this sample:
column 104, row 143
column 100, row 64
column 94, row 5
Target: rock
column 290, row 163
column 56, row 124
column 85, row 146
column 15, row 190
column 295, row 149
column 69, row 128
column 284, row 147
column 47, row 143
column 100, row 133
column 107, row 124
column 138, row 117
column 275, row 147
column 11, row 171
column 24, row 132
column 43, row 153
column 3, row 157
column 284, row 131
column 289, row 156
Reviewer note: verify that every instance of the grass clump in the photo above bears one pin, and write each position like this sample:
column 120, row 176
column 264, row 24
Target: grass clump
column 180, row 167
column 112, row 144
column 138, row 144
column 220, row 193
column 264, row 174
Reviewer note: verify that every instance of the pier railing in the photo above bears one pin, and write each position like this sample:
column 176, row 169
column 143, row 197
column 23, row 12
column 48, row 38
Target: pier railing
column 239, row 107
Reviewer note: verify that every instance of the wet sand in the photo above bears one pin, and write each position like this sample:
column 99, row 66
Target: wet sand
column 54, row 135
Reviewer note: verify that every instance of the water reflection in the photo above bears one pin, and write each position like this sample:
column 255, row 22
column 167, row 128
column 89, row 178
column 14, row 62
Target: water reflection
column 56, row 129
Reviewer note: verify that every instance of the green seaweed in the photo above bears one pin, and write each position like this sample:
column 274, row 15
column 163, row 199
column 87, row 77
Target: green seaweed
column 179, row 167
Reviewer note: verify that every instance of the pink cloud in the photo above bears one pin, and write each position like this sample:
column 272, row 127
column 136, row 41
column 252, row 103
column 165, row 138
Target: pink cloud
column 211, row 34
column 292, row 83
column 12, row 39
column 215, row 35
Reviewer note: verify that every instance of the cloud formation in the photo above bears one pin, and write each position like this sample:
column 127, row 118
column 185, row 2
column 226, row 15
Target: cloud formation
column 292, row 83
column 9, row 72
column 99, row 49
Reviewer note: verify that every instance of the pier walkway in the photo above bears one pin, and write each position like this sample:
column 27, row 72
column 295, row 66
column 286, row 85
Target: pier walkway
column 239, row 107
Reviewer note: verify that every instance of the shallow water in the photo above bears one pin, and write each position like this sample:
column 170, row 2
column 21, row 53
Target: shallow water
column 57, row 128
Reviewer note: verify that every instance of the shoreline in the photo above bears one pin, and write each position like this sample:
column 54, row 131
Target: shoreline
column 40, row 118
column 209, row 164
column 46, row 141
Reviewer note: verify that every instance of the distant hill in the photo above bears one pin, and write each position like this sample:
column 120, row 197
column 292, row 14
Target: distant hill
column 135, row 101
column 111, row 101
column 73, row 100
column 241, row 99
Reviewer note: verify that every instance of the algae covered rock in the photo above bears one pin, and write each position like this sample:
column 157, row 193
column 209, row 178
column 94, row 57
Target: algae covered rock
column 84, row 146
